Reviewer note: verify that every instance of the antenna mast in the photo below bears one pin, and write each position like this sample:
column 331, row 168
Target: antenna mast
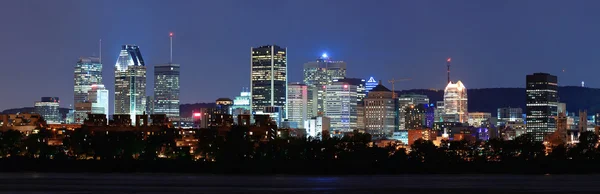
column 100, row 57
column 171, row 48
column 448, row 65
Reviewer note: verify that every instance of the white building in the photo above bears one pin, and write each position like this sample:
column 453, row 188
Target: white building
column 340, row 106
column 98, row 96
column 316, row 126
column 455, row 101
column 297, row 100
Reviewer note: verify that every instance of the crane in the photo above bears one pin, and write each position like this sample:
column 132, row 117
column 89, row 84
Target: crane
column 393, row 82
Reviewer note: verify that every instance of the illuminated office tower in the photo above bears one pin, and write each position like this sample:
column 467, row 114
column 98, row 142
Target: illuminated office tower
column 380, row 112
column 130, row 82
column 166, row 90
column 88, row 71
column 317, row 75
column 241, row 105
column 542, row 100
column 370, row 84
column 340, row 106
column 297, row 103
column 48, row 109
column 407, row 100
column 268, row 78
column 455, row 102
column 361, row 94
column 98, row 96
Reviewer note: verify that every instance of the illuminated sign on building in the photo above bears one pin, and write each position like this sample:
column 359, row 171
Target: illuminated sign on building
column 371, row 84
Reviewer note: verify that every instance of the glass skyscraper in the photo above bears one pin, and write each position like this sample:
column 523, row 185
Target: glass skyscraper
column 317, row 75
column 455, row 102
column 297, row 103
column 130, row 82
column 166, row 90
column 268, row 78
column 48, row 109
column 341, row 99
column 98, row 96
column 542, row 101
column 88, row 72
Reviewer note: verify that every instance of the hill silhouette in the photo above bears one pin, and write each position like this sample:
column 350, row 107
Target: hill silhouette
column 490, row 99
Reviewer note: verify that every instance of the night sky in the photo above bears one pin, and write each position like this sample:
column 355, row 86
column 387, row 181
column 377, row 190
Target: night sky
column 492, row 43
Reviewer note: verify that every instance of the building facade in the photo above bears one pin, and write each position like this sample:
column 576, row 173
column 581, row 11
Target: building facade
column 88, row 72
column 340, row 106
column 317, row 126
column 241, row 105
column 166, row 90
column 476, row 119
column 407, row 100
column 317, row 75
column 297, row 103
column 48, row 109
column 380, row 112
column 268, row 78
column 98, row 96
column 130, row 82
column 455, row 102
column 542, row 100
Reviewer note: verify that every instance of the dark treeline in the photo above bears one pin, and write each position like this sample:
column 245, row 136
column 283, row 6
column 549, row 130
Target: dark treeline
column 238, row 151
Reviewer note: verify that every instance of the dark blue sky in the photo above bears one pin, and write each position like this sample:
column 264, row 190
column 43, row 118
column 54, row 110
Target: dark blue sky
column 492, row 43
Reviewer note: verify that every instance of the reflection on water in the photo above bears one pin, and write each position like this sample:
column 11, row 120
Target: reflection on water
column 175, row 183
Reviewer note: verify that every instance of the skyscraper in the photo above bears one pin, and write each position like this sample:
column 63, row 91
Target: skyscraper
column 380, row 112
column 297, row 103
column 241, row 105
column 130, row 82
column 407, row 100
column 318, row 74
column 340, row 106
column 361, row 94
column 542, row 100
column 166, row 90
column 455, row 102
column 48, row 109
column 268, row 78
column 98, row 96
column 88, row 71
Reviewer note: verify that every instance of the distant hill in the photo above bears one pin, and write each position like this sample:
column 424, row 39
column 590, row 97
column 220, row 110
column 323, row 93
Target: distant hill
column 490, row 99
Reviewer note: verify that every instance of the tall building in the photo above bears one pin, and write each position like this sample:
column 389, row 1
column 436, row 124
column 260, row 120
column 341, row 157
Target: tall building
column 476, row 119
column 317, row 75
column 98, row 96
column 297, row 103
column 166, row 89
column 241, row 105
column 340, row 106
column 415, row 116
column 455, row 102
column 130, row 82
column 48, row 109
column 268, row 78
column 88, row 72
column 361, row 94
column 370, row 84
column 407, row 100
column 380, row 112
column 542, row 100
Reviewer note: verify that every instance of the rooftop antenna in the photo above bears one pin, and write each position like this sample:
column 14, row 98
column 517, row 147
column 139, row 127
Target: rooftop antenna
column 100, row 57
column 448, row 65
column 171, row 38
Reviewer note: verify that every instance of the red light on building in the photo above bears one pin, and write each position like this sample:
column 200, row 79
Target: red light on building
column 197, row 114
column 449, row 59
column 345, row 86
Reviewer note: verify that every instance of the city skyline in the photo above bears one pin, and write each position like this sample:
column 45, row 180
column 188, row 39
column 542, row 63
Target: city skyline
column 441, row 29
